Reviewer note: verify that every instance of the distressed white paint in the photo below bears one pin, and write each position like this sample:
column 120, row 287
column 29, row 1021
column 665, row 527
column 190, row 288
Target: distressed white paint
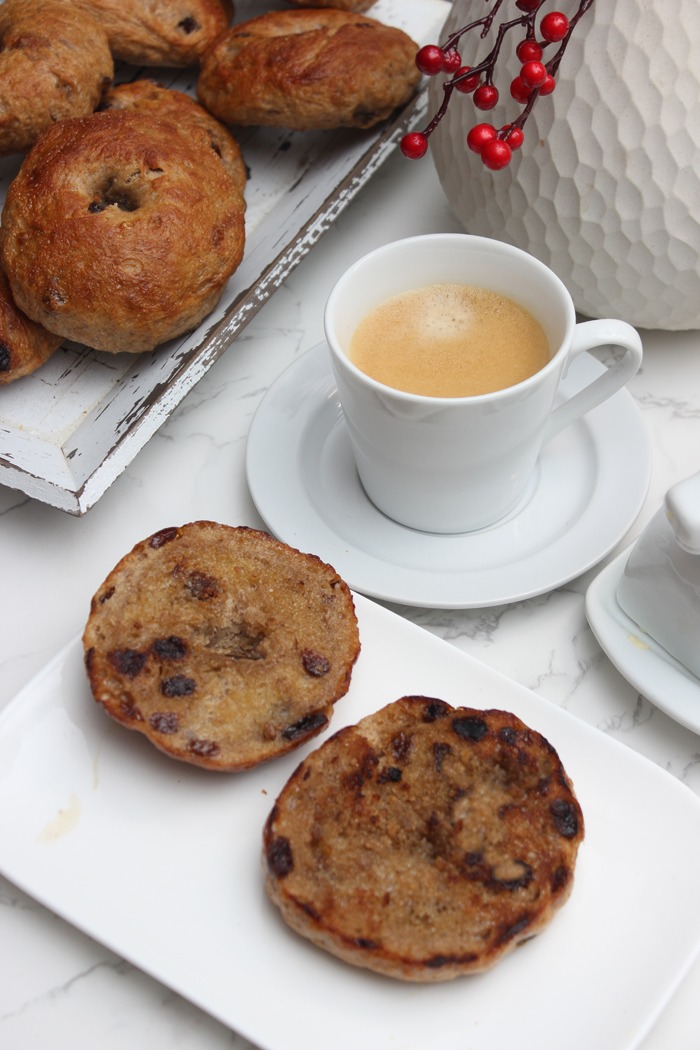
column 68, row 430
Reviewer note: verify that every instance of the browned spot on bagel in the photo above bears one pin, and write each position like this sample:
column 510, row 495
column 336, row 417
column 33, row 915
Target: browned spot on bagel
column 239, row 641
column 131, row 711
column 202, row 586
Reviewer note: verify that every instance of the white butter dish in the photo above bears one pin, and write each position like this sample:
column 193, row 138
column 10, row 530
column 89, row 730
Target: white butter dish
column 660, row 587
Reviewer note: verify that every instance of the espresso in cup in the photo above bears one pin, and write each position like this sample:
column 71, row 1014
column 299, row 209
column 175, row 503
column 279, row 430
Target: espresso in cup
column 452, row 464
column 449, row 340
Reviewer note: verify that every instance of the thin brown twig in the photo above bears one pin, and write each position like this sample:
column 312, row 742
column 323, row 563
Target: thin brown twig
column 485, row 69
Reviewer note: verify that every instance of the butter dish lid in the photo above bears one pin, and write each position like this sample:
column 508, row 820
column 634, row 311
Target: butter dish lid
column 660, row 586
column 683, row 511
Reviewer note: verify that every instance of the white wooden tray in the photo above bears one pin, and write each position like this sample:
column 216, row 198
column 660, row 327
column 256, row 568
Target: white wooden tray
column 69, row 429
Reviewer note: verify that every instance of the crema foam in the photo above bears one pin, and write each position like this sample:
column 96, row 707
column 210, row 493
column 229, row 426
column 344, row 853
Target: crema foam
column 449, row 340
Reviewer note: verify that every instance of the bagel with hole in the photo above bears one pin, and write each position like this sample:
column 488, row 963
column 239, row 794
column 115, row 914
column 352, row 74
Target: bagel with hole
column 183, row 110
column 120, row 231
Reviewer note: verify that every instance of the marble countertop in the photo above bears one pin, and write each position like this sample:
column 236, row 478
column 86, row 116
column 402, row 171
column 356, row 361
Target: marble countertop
column 58, row 988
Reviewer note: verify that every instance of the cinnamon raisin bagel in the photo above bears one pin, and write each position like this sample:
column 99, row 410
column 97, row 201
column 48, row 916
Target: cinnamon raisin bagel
column 426, row 842
column 159, row 32
column 186, row 113
column 223, row 646
column 24, row 345
column 54, row 63
column 120, row 231
column 308, row 69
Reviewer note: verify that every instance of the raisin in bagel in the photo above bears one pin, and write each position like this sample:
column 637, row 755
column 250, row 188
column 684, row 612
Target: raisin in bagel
column 54, row 63
column 180, row 108
column 425, row 842
column 24, row 345
column 120, row 231
column 308, row 69
column 223, row 646
column 159, row 32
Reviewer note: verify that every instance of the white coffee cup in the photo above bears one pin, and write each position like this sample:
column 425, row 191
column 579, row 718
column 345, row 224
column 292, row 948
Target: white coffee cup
column 457, row 464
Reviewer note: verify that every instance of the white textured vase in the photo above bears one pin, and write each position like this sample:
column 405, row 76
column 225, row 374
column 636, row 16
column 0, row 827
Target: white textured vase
column 606, row 187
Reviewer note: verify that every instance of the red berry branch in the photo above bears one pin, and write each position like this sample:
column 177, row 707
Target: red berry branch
column 537, row 77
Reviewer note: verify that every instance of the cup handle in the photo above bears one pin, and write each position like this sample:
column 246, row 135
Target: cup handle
column 587, row 335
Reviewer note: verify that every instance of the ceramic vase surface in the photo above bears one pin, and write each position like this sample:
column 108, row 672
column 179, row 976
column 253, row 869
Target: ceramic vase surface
column 606, row 187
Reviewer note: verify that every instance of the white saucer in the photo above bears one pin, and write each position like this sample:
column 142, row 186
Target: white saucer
column 638, row 657
column 588, row 489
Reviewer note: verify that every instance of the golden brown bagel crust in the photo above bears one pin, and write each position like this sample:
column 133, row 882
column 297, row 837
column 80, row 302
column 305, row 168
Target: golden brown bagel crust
column 222, row 645
column 308, row 69
column 54, row 63
column 425, row 842
column 120, row 231
column 159, row 32
column 24, row 345
column 174, row 105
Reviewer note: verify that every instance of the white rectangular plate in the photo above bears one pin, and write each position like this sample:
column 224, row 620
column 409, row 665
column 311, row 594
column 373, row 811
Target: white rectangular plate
column 69, row 429
column 161, row 863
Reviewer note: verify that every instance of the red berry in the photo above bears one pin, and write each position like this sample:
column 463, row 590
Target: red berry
column 514, row 136
column 414, row 145
column 451, row 61
column 549, row 85
column 529, row 51
column 430, row 59
column 520, row 91
column 534, row 74
column 528, row 5
column 479, row 135
column 467, row 84
column 486, row 96
column 554, row 26
column 496, row 154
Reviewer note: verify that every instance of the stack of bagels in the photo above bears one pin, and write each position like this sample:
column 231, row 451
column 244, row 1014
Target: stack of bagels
column 126, row 218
